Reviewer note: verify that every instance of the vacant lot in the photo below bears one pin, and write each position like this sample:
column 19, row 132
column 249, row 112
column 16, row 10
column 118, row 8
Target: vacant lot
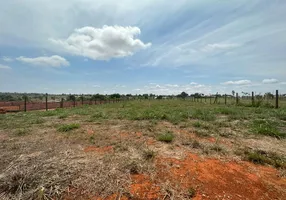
column 159, row 149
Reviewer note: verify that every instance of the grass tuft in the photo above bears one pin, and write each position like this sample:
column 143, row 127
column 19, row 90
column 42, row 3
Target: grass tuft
column 68, row 127
column 22, row 131
column 267, row 127
column 262, row 158
column 166, row 137
column 149, row 154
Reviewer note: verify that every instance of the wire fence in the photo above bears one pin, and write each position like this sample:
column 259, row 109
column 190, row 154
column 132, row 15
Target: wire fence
column 16, row 106
column 273, row 101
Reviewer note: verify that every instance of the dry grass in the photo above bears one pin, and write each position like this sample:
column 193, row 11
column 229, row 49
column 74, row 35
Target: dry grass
column 38, row 162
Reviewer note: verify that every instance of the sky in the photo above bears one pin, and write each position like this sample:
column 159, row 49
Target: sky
column 148, row 46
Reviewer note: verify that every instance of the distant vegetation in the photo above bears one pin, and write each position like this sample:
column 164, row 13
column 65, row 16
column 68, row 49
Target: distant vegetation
column 7, row 96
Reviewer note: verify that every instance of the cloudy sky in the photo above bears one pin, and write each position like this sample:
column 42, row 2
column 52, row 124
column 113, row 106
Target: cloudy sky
column 162, row 47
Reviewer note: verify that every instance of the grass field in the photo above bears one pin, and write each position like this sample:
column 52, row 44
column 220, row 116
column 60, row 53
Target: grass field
column 152, row 149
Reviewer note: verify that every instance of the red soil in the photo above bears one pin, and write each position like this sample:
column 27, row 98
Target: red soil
column 90, row 131
column 142, row 188
column 214, row 179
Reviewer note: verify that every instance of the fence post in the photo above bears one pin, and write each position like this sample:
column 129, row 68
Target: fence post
column 62, row 102
column 252, row 98
column 225, row 99
column 25, row 103
column 46, row 101
column 74, row 102
column 82, row 99
column 236, row 98
column 210, row 99
column 277, row 95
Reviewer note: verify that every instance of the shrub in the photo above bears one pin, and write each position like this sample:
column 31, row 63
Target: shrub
column 166, row 137
column 68, row 127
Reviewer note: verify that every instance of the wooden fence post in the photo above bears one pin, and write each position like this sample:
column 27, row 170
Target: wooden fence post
column 236, row 98
column 210, row 99
column 225, row 99
column 277, row 96
column 82, row 99
column 62, row 102
column 74, row 103
column 25, row 103
column 46, row 101
column 252, row 98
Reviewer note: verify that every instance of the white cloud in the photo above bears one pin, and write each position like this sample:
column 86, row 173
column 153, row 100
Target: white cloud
column 270, row 81
column 193, row 83
column 218, row 46
column 120, row 86
column 173, row 89
column 96, row 86
column 53, row 61
column 103, row 43
column 172, row 86
column 240, row 82
column 283, row 83
column 4, row 67
column 7, row 59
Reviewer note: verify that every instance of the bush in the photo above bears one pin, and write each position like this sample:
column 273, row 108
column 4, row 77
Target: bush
column 166, row 137
column 68, row 127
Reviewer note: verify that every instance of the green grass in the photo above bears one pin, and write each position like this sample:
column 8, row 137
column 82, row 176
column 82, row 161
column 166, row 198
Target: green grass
column 22, row 131
column 267, row 128
column 166, row 137
column 68, row 127
column 197, row 124
column 262, row 158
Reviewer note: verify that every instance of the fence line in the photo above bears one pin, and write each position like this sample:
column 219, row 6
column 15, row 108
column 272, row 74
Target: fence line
column 14, row 106
column 213, row 99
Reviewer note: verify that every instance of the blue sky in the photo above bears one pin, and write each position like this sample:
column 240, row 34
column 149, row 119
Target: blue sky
column 161, row 47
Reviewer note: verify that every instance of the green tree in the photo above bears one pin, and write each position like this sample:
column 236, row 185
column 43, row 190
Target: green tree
column 71, row 97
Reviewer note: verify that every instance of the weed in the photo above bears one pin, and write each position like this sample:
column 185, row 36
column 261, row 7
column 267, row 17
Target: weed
column 38, row 121
column 22, row 131
column 149, row 154
column 226, row 111
column 202, row 133
column 266, row 127
column 197, row 124
column 203, row 114
column 68, row 127
column 262, row 157
column 216, row 148
column 63, row 116
column 191, row 193
column 92, row 139
column 133, row 167
column 166, row 137
column 196, row 144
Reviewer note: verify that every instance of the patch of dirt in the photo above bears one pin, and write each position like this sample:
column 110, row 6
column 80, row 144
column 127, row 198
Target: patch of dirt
column 106, row 149
column 143, row 188
column 214, row 179
column 90, row 131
